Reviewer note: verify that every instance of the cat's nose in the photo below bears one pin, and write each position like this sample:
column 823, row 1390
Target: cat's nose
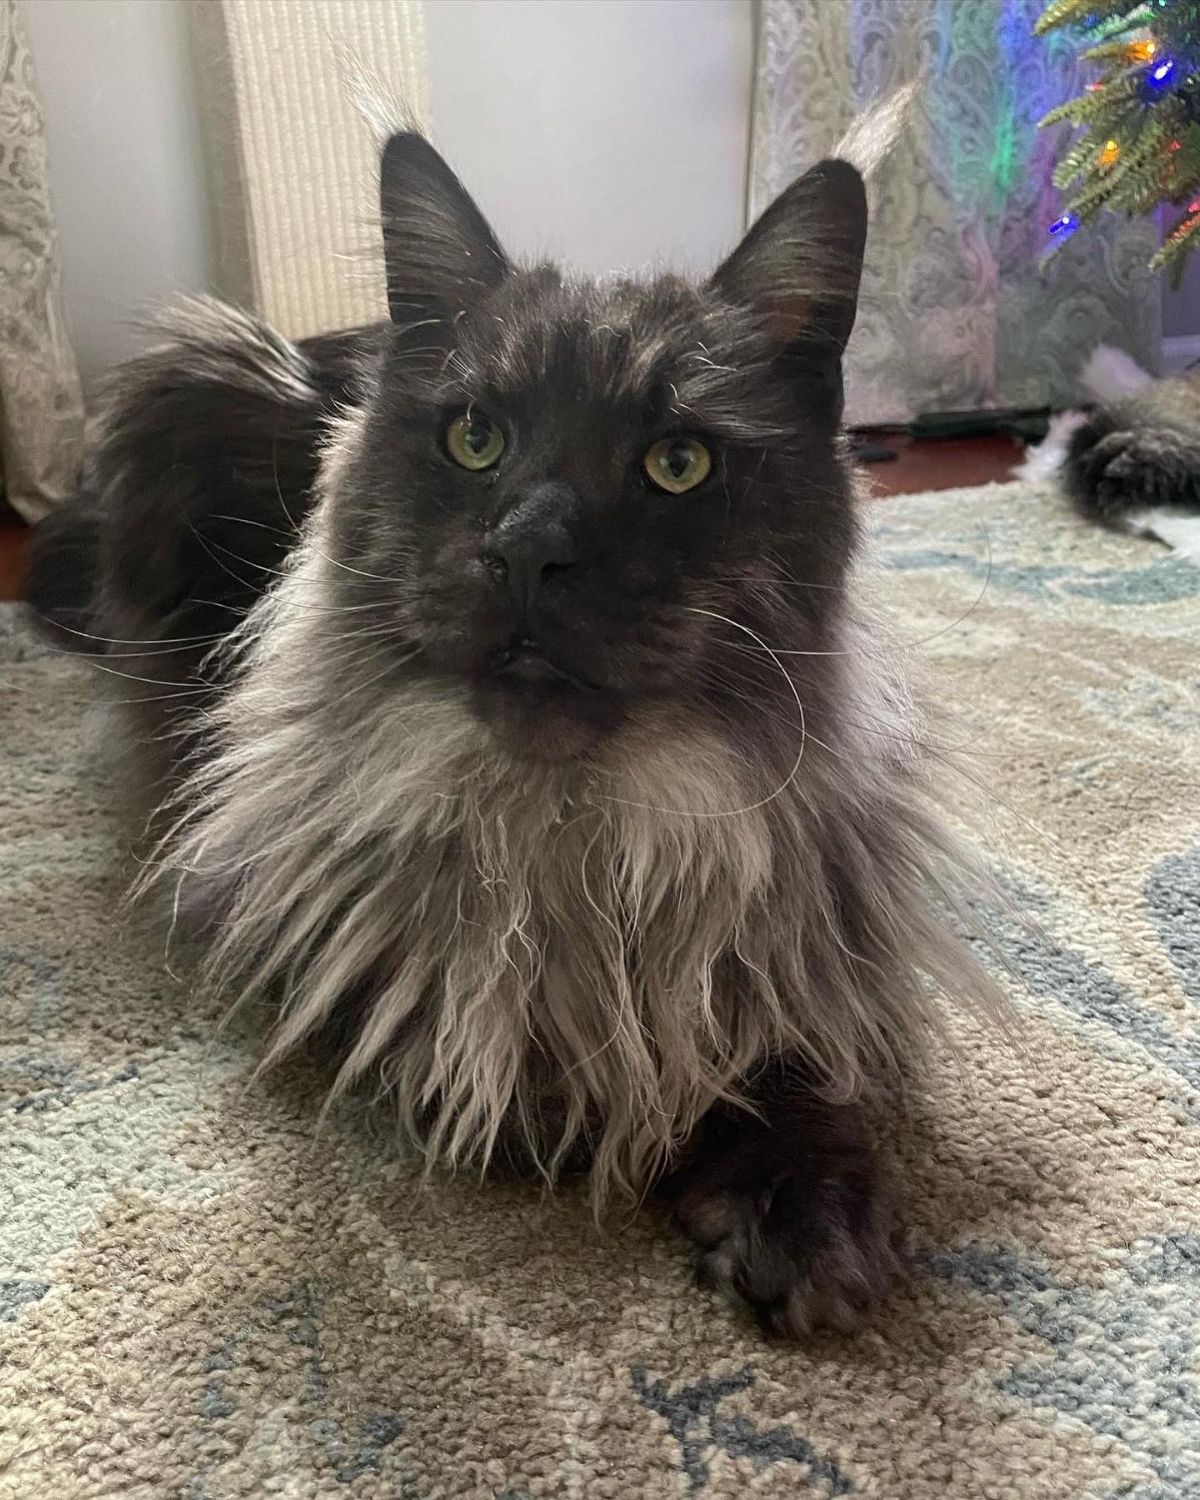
column 531, row 544
column 525, row 559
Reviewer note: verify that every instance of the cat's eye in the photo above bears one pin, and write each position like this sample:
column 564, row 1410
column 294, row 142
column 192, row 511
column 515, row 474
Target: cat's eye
column 474, row 441
column 677, row 464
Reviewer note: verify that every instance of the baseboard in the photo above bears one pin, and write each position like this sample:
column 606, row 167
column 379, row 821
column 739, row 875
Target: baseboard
column 1180, row 352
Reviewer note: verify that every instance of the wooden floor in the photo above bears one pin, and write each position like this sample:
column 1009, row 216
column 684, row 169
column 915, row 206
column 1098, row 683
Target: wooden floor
column 941, row 464
column 14, row 544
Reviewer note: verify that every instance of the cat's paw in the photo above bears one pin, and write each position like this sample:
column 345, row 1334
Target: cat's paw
column 1147, row 465
column 808, row 1252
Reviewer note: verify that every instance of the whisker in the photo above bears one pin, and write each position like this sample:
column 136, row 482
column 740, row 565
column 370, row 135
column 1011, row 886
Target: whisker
column 91, row 656
column 783, row 786
column 949, row 757
column 153, row 681
column 246, row 583
column 362, row 686
column 118, row 640
column 283, row 505
column 787, row 583
column 901, row 645
column 160, row 697
column 260, row 525
column 237, row 557
column 277, row 602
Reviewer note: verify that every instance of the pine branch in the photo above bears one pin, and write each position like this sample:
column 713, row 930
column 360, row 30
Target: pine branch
column 1075, row 12
column 1182, row 239
column 1122, row 89
column 1118, row 51
column 1073, row 164
column 1088, row 12
column 1136, row 129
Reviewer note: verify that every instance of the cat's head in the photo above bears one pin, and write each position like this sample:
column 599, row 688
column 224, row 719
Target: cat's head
column 575, row 498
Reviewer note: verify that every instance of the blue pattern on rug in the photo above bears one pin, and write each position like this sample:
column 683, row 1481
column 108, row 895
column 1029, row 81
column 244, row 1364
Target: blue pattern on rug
column 1125, row 1355
column 37, row 980
column 697, row 1426
column 67, row 1085
column 300, row 1312
column 1172, row 893
column 1165, row 581
column 1060, row 974
column 16, row 1294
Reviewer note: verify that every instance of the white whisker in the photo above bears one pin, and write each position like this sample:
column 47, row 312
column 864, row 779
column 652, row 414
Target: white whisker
column 735, row 812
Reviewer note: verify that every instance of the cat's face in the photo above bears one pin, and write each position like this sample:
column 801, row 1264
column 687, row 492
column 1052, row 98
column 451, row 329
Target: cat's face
column 575, row 498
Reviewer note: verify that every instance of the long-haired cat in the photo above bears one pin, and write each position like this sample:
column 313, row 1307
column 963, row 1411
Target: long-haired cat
column 1132, row 461
column 514, row 726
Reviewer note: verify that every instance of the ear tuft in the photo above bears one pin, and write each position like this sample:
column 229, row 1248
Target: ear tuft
column 439, row 250
column 800, row 263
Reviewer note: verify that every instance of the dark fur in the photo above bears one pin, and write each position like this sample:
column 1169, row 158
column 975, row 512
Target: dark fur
column 190, row 503
column 1138, row 454
column 656, row 668
column 798, row 1188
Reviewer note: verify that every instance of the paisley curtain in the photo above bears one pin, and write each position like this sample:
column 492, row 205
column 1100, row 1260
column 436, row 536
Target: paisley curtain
column 41, row 408
column 958, row 311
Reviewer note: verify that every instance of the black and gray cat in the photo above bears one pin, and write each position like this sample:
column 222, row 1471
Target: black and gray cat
column 516, row 726
column 1132, row 462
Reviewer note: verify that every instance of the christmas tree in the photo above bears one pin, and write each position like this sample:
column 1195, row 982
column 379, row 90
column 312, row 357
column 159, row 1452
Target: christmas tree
column 1138, row 141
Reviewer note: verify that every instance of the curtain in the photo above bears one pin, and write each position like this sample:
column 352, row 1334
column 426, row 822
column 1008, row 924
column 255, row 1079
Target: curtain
column 41, row 407
column 286, row 92
column 958, row 311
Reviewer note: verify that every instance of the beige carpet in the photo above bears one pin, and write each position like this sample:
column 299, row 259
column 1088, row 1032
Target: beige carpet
column 201, row 1298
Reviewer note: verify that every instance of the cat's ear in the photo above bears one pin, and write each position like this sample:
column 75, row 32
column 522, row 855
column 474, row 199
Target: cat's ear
column 439, row 251
column 800, row 263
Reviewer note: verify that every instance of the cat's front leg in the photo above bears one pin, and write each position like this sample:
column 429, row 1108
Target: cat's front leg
column 787, row 1206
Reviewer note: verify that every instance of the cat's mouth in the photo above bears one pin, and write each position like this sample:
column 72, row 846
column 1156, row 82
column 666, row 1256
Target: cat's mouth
column 541, row 708
column 524, row 665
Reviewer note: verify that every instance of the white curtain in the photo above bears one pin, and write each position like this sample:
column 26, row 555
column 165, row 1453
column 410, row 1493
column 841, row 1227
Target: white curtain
column 41, row 408
column 294, row 161
column 957, row 310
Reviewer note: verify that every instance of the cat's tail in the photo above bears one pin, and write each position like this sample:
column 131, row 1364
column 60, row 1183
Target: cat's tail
column 1108, row 376
column 64, row 572
column 1111, row 375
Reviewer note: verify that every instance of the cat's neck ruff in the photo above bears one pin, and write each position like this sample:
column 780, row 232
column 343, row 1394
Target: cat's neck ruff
column 584, row 955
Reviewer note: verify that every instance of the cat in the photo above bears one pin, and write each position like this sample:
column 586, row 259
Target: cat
column 1132, row 461
column 513, row 723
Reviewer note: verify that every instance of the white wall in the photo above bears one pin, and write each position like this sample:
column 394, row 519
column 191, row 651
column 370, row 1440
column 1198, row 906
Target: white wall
column 608, row 132
column 126, row 168
column 611, row 132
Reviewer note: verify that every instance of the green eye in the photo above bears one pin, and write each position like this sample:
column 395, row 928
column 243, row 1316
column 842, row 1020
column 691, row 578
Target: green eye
column 474, row 441
column 677, row 464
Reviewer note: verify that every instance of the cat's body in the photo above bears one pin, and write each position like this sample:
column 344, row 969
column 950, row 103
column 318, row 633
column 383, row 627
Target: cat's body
column 1131, row 462
column 567, row 788
column 192, row 500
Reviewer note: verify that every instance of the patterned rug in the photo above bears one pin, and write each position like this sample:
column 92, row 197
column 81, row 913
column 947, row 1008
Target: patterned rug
column 203, row 1296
